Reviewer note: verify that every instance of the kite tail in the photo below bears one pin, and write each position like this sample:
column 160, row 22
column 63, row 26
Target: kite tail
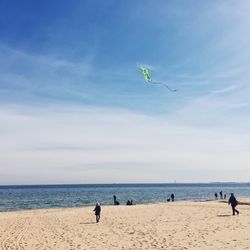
column 165, row 85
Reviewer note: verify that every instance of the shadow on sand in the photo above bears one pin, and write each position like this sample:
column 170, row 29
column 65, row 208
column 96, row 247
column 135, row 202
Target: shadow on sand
column 88, row 223
column 223, row 215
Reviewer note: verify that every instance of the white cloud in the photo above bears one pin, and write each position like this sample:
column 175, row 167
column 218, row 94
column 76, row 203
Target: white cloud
column 73, row 144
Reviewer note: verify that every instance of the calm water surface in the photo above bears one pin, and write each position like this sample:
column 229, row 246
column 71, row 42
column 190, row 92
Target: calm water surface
column 51, row 196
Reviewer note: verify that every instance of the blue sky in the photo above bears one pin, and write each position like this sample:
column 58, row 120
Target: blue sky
column 75, row 109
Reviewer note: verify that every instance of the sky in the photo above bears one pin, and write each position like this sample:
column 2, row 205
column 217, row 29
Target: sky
column 74, row 108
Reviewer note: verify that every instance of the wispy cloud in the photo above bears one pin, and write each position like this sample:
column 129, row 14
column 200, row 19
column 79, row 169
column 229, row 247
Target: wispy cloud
column 224, row 90
column 41, row 75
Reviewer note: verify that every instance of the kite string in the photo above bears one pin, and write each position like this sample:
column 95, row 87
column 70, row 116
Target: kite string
column 163, row 84
column 148, row 79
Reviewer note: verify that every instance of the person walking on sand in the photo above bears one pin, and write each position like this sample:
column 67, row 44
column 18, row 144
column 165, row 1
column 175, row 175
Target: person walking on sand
column 232, row 200
column 97, row 211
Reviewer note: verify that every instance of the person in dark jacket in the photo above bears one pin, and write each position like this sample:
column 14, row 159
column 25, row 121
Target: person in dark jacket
column 128, row 203
column 232, row 200
column 97, row 211
column 172, row 197
column 221, row 195
column 216, row 195
column 116, row 202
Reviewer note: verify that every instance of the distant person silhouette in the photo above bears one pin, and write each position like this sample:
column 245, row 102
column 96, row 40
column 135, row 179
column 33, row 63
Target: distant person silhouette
column 128, row 203
column 216, row 195
column 232, row 200
column 221, row 195
column 172, row 197
column 225, row 196
column 116, row 202
column 97, row 211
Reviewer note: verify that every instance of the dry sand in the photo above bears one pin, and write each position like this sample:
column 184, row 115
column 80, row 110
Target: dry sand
column 177, row 225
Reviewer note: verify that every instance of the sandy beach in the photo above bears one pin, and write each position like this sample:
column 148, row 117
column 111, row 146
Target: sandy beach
column 172, row 225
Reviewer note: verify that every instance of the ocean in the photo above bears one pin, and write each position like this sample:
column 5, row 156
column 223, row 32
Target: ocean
column 13, row 198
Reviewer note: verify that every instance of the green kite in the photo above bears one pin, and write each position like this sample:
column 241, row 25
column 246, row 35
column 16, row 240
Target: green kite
column 148, row 79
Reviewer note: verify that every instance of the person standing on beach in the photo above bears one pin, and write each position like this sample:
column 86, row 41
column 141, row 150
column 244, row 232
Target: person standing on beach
column 116, row 202
column 232, row 200
column 172, row 197
column 221, row 195
column 97, row 211
column 216, row 195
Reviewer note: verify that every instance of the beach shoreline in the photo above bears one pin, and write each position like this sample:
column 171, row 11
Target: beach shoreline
column 168, row 225
column 242, row 201
column 108, row 205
